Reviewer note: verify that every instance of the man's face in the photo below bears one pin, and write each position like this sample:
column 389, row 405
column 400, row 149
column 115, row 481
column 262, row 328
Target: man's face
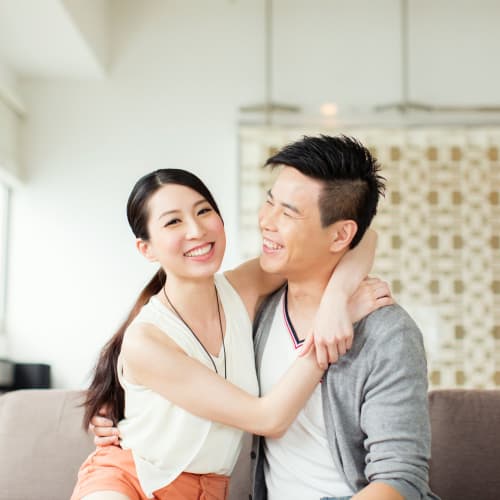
column 294, row 243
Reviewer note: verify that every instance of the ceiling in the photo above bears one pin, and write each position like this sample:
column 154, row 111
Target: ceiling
column 54, row 38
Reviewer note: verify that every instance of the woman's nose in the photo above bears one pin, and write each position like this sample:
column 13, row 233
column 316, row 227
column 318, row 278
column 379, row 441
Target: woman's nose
column 195, row 229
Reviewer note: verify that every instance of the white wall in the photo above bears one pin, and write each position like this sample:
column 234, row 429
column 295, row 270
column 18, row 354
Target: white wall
column 455, row 48
column 179, row 71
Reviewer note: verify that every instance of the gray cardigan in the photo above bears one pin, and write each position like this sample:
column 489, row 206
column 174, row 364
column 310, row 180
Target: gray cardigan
column 374, row 402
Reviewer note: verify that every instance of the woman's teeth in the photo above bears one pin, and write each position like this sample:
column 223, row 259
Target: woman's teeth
column 197, row 252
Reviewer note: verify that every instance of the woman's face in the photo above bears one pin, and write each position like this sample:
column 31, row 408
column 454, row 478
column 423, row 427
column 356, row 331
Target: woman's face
column 186, row 235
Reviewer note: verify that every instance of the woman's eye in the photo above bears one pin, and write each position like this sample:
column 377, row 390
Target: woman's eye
column 269, row 202
column 204, row 210
column 172, row 222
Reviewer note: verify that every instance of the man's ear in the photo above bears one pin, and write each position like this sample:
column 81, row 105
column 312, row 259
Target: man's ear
column 343, row 232
column 145, row 249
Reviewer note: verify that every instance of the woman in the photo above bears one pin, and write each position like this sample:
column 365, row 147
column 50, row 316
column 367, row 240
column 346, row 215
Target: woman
column 184, row 357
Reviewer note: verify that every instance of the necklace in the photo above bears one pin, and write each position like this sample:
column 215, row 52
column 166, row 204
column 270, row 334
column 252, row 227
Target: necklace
column 196, row 336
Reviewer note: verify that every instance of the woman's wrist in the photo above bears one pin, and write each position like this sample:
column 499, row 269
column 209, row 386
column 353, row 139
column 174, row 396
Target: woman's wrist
column 335, row 296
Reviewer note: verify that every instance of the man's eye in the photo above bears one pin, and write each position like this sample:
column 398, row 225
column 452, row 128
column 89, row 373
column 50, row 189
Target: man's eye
column 172, row 222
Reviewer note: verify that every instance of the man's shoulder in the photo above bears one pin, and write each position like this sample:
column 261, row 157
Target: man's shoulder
column 394, row 312
column 389, row 337
column 389, row 322
column 266, row 309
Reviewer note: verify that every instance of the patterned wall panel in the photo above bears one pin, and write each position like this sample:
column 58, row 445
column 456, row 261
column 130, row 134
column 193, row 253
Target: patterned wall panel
column 439, row 235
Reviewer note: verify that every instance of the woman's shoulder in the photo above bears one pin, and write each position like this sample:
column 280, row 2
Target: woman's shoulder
column 228, row 291
column 140, row 330
column 138, row 334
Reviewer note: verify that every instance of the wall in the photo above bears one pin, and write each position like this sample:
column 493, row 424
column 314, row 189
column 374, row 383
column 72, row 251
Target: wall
column 171, row 99
column 178, row 73
column 438, row 226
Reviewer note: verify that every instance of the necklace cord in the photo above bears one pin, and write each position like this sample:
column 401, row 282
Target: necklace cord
column 196, row 336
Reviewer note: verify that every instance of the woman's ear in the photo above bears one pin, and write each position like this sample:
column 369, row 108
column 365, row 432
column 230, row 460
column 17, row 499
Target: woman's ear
column 343, row 232
column 145, row 249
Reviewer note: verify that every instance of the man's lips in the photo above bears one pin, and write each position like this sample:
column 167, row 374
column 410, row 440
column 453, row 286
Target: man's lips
column 270, row 245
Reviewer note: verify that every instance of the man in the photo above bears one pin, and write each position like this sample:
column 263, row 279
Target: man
column 364, row 433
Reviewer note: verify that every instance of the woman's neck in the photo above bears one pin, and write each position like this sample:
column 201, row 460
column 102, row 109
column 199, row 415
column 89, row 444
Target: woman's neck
column 196, row 299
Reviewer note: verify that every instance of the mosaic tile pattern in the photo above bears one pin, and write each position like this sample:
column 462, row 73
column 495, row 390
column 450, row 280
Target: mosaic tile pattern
column 439, row 235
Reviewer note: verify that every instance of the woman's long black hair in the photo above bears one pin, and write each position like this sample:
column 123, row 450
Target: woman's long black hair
column 105, row 388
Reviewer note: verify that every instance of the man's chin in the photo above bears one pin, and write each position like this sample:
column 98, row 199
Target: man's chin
column 270, row 264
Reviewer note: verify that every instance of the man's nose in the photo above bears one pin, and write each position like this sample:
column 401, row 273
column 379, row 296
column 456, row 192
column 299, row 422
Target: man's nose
column 267, row 217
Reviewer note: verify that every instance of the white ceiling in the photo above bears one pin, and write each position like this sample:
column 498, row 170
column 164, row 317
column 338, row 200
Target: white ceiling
column 54, row 38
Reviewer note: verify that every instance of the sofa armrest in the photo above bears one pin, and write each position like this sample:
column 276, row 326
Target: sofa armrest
column 42, row 444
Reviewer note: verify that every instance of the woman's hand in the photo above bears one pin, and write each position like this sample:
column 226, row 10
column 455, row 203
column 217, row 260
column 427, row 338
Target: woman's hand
column 371, row 294
column 333, row 332
column 102, row 428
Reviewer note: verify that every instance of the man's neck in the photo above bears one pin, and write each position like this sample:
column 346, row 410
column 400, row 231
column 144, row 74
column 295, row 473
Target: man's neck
column 304, row 297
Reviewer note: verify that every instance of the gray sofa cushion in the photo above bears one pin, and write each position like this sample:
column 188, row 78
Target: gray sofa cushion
column 465, row 461
column 42, row 444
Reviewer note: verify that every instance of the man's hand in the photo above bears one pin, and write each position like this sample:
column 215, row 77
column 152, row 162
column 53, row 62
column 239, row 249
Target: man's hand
column 102, row 428
column 333, row 331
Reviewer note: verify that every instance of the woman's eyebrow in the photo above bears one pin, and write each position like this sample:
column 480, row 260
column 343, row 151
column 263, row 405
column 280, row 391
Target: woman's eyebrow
column 175, row 210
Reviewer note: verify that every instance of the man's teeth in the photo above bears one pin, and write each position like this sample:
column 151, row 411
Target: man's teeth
column 271, row 245
column 199, row 251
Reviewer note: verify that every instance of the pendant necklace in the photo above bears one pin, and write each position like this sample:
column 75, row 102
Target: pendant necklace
column 196, row 336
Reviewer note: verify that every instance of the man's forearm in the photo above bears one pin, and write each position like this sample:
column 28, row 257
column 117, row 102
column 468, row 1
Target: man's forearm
column 378, row 491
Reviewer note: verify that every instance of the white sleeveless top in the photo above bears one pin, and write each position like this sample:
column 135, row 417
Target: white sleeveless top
column 166, row 440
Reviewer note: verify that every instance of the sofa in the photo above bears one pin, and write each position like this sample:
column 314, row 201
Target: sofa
column 42, row 444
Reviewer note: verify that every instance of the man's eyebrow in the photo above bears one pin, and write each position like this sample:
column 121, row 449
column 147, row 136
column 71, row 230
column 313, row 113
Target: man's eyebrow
column 286, row 205
column 175, row 210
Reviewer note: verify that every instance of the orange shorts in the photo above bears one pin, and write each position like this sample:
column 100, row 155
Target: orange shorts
column 113, row 469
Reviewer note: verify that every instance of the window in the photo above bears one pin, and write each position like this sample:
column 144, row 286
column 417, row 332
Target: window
column 4, row 229
column 10, row 114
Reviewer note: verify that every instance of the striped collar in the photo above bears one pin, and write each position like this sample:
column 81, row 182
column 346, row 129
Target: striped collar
column 288, row 323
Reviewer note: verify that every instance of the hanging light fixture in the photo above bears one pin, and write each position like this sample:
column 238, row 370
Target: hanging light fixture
column 269, row 107
column 405, row 104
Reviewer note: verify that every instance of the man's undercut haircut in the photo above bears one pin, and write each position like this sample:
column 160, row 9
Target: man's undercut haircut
column 350, row 174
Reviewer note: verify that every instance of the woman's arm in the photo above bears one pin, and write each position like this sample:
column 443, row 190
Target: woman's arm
column 375, row 491
column 333, row 329
column 252, row 283
column 151, row 359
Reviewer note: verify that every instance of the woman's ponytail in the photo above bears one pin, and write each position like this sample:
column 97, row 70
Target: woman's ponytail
column 105, row 389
